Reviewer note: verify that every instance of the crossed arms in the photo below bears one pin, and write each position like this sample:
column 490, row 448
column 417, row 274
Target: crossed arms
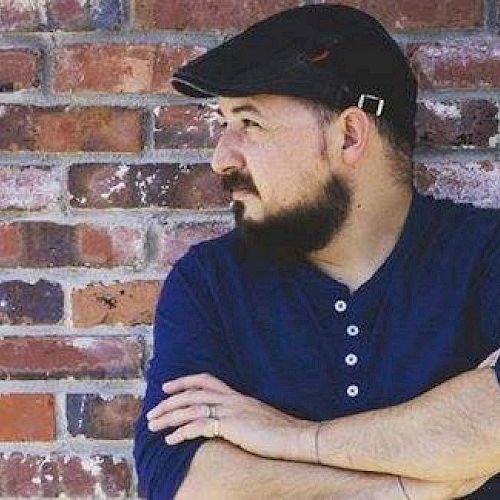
column 445, row 444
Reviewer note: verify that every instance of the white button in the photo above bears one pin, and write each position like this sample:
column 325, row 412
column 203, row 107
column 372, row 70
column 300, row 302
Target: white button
column 351, row 359
column 352, row 330
column 340, row 306
column 352, row 391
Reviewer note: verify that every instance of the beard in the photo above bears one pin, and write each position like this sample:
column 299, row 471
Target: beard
column 290, row 235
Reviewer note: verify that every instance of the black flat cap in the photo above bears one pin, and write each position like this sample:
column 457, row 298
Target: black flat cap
column 336, row 54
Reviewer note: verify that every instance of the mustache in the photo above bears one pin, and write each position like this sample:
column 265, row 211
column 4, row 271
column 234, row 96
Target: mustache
column 235, row 181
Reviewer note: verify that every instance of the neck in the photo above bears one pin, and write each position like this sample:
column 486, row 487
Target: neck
column 368, row 236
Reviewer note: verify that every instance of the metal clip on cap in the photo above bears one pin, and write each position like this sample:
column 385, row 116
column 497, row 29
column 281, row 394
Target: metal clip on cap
column 380, row 105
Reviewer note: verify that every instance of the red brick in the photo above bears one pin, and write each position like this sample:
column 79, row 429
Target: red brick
column 105, row 247
column 464, row 64
column 27, row 417
column 99, row 417
column 18, row 16
column 11, row 245
column 476, row 181
column 28, row 188
column 129, row 68
column 70, row 130
column 66, row 15
column 202, row 15
column 191, row 126
column 69, row 476
column 69, row 14
column 130, row 303
column 472, row 123
column 24, row 303
column 46, row 244
column 399, row 15
column 79, row 357
column 18, row 70
column 136, row 186
column 175, row 241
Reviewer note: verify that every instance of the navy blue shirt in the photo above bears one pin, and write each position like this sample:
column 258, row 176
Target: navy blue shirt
column 297, row 339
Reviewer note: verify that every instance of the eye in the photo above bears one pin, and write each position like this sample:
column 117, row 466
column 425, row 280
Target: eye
column 250, row 123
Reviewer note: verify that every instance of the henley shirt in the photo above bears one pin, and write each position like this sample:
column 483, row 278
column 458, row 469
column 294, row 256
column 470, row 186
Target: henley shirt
column 297, row 339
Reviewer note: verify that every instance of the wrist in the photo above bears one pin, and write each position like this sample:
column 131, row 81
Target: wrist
column 403, row 489
column 306, row 442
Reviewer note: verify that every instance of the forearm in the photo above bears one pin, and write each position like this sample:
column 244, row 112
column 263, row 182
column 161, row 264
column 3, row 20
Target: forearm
column 220, row 470
column 449, row 433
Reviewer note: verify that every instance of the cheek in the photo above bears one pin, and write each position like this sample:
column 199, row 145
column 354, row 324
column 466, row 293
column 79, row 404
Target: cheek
column 286, row 167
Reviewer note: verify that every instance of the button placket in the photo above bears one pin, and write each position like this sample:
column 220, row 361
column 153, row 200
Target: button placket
column 352, row 391
column 340, row 305
column 352, row 330
column 351, row 359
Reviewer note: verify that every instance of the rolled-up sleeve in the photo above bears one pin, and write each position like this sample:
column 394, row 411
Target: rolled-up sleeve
column 187, row 339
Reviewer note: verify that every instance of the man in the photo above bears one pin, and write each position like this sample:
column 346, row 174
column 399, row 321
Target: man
column 341, row 341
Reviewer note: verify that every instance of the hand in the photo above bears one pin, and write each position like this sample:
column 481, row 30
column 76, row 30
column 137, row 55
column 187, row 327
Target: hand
column 244, row 421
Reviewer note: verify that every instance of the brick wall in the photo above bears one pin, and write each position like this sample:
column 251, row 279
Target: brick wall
column 105, row 181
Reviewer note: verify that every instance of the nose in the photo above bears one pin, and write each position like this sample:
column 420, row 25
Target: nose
column 227, row 156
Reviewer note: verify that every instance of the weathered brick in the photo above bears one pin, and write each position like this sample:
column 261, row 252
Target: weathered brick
column 137, row 186
column 68, row 14
column 79, row 357
column 19, row 70
column 28, row 188
column 129, row 68
column 18, row 15
column 202, row 15
column 100, row 417
column 70, row 129
column 399, row 15
column 65, row 15
column 497, row 10
column 106, row 14
column 129, row 303
column 450, row 123
column 11, row 244
column 191, row 126
column 99, row 247
column 27, row 417
column 465, row 64
column 25, row 303
column 476, row 182
column 69, row 476
column 175, row 241
column 47, row 244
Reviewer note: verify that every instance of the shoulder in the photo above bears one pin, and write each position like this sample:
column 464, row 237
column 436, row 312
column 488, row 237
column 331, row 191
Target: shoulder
column 213, row 250
column 461, row 223
column 205, row 258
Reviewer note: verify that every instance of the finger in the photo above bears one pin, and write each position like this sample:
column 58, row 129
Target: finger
column 177, row 417
column 185, row 398
column 199, row 380
column 204, row 427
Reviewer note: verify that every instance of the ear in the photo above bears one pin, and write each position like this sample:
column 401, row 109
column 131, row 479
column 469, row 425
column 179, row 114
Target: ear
column 356, row 130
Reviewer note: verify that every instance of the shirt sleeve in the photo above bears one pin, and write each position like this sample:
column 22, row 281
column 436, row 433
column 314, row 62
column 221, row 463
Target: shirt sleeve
column 489, row 296
column 187, row 339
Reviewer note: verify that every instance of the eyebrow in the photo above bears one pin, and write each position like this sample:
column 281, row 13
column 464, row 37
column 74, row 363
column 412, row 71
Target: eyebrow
column 240, row 109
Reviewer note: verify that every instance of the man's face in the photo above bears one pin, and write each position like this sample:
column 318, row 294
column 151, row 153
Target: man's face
column 274, row 148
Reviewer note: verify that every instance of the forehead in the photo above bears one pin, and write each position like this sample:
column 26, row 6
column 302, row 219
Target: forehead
column 268, row 105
